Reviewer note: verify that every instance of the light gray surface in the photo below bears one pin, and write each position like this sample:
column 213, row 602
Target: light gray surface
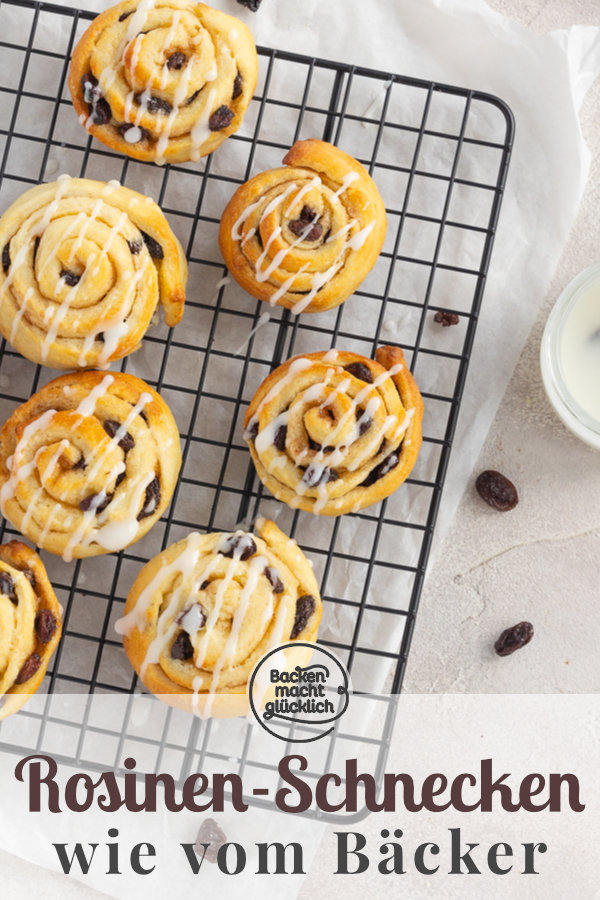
column 538, row 562
column 494, row 570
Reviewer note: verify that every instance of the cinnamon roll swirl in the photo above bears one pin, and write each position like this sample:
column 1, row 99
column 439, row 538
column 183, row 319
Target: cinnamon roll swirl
column 30, row 625
column 304, row 236
column 88, row 464
column 84, row 266
column 334, row 432
column 202, row 613
column 163, row 80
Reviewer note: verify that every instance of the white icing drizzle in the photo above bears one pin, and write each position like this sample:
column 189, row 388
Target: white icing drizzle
column 277, row 201
column 263, row 319
column 316, row 181
column 133, row 135
column 63, row 182
column 200, row 130
column 185, row 563
column 348, row 179
column 87, row 407
column 236, row 234
column 285, row 287
column 266, row 437
column 299, row 365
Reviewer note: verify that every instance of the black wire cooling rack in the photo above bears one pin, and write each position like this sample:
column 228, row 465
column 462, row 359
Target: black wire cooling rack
column 440, row 156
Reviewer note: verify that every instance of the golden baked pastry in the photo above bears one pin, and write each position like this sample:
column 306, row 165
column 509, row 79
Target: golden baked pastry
column 163, row 80
column 89, row 463
column 203, row 612
column 30, row 625
column 304, row 236
column 334, row 432
column 84, row 266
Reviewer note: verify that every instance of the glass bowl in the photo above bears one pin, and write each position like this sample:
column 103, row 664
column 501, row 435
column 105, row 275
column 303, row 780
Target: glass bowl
column 566, row 354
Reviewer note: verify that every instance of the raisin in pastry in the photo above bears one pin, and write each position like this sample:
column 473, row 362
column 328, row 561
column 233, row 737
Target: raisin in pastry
column 85, row 266
column 163, row 80
column 334, row 432
column 89, row 463
column 202, row 613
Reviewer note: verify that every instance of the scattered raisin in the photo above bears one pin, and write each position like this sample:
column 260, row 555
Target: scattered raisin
column 120, row 477
column 125, row 15
column 252, row 5
column 221, row 118
column 6, row 257
column 151, row 500
column 7, row 587
column 272, row 575
column 514, row 638
column 69, row 277
column 176, row 60
column 154, row 248
column 497, row 490
column 36, row 244
column 204, row 585
column 360, row 371
column 209, row 840
column 364, row 426
column 237, row 86
column 80, row 464
column 45, row 625
column 280, row 438
column 182, row 647
column 314, row 445
column 100, row 337
column 93, row 501
column 305, row 607
column 241, row 544
column 153, row 104
column 29, row 668
column 111, row 427
column 446, row 318
column 304, row 223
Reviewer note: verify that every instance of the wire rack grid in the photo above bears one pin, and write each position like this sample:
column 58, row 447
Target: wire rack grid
column 440, row 157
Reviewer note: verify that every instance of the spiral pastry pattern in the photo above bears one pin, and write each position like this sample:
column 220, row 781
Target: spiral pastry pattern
column 334, row 432
column 30, row 625
column 305, row 236
column 84, row 266
column 88, row 464
column 203, row 612
column 163, row 80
